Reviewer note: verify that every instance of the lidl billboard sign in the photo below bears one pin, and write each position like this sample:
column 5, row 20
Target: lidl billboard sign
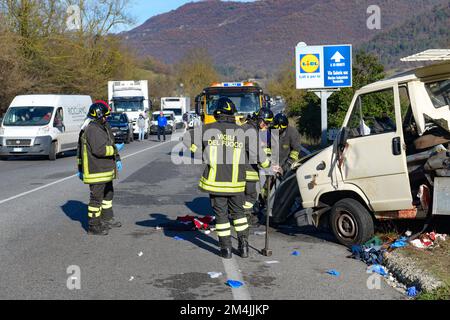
column 322, row 67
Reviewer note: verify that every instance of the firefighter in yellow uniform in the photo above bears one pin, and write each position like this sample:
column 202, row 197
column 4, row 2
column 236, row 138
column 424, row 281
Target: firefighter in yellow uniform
column 224, row 150
column 98, row 163
column 252, row 172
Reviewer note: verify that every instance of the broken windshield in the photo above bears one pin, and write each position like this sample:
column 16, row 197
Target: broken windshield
column 439, row 93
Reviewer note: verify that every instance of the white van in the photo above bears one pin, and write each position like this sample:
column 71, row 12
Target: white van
column 43, row 124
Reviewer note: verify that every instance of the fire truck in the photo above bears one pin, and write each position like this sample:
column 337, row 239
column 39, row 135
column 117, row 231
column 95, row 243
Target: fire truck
column 247, row 96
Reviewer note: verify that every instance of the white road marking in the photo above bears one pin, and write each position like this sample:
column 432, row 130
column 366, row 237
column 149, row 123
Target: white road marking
column 73, row 176
column 232, row 271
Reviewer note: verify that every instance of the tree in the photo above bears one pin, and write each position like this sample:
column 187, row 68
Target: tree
column 196, row 71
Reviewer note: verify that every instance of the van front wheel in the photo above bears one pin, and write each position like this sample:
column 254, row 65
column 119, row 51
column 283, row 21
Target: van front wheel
column 351, row 222
column 52, row 153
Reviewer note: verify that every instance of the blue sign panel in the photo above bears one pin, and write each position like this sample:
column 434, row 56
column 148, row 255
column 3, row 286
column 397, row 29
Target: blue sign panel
column 337, row 66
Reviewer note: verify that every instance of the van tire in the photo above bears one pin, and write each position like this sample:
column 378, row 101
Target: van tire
column 351, row 222
column 52, row 153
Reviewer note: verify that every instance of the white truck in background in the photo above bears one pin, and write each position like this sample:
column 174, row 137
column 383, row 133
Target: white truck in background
column 130, row 97
column 179, row 105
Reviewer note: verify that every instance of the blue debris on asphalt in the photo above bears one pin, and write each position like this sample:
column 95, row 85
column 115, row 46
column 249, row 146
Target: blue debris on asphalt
column 369, row 255
column 296, row 253
column 234, row 284
column 178, row 238
column 411, row 292
column 376, row 268
column 333, row 273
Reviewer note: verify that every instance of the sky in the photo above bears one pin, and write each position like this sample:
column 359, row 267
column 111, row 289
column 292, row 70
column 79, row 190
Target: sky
column 141, row 10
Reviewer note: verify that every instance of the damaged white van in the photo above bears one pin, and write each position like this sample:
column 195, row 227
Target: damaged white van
column 42, row 125
column 390, row 161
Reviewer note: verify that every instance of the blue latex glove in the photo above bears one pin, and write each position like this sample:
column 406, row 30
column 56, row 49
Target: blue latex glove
column 120, row 146
column 80, row 176
column 119, row 166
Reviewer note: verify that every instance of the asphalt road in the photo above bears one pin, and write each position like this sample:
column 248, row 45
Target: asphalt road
column 42, row 233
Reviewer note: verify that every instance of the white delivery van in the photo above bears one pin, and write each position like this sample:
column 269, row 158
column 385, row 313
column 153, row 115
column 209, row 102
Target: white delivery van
column 43, row 124
column 170, row 116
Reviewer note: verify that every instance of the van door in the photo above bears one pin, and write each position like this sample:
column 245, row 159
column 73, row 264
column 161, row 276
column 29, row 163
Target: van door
column 375, row 159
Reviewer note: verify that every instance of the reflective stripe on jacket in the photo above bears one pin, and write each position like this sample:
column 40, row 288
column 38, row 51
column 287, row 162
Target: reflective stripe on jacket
column 97, row 154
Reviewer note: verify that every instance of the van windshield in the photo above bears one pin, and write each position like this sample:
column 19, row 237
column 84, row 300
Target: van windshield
column 28, row 116
column 439, row 93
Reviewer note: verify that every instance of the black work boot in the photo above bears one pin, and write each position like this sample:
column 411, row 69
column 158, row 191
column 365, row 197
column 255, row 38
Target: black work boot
column 111, row 223
column 96, row 228
column 226, row 249
column 243, row 246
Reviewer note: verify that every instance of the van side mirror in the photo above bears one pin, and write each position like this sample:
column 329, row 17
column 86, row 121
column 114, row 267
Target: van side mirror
column 342, row 138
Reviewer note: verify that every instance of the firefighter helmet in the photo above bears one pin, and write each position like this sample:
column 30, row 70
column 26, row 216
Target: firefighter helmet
column 225, row 107
column 266, row 115
column 98, row 110
column 281, row 121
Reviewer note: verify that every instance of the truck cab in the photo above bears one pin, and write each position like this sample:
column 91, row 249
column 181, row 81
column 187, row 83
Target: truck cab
column 247, row 96
column 390, row 152
column 130, row 97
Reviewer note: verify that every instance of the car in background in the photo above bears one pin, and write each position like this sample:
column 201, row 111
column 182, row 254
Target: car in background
column 121, row 127
column 170, row 116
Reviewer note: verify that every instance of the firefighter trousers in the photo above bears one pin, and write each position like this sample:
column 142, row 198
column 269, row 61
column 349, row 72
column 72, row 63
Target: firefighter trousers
column 100, row 204
column 233, row 205
column 251, row 195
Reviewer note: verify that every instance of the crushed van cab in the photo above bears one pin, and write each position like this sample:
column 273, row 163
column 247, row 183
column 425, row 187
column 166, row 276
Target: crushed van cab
column 390, row 160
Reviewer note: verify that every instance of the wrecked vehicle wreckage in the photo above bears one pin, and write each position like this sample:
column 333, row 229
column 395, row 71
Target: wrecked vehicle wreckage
column 391, row 160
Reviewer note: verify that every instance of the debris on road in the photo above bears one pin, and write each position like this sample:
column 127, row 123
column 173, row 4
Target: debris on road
column 295, row 253
column 401, row 243
column 260, row 233
column 376, row 268
column 272, row 262
column 369, row 255
column 428, row 240
column 234, row 284
column 178, row 238
column 140, row 254
column 333, row 273
column 158, row 228
column 131, row 279
column 412, row 292
column 215, row 275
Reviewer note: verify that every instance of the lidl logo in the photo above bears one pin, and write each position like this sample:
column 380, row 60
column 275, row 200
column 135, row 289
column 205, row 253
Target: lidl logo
column 309, row 63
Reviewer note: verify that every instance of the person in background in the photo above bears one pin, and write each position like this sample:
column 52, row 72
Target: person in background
column 186, row 121
column 141, row 125
column 162, row 124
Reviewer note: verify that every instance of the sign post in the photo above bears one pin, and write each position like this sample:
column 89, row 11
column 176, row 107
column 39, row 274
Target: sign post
column 323, row 70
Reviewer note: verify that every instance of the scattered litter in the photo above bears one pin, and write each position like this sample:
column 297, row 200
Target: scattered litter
column 198, row 223
column 428, row 240
column 370, row 256
column 215, row 275
column 178, row 238
column 260, row 233
column 401, row 243
column 296, row 253
column 408, row 233
column 131, row 279
column 140, row 254
column 234, row 284
column 207, row 232
column 159, row 228
column 374, row 242
column 333, row 273
column 411, row 292
column 272, row 262
column 376, row 268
